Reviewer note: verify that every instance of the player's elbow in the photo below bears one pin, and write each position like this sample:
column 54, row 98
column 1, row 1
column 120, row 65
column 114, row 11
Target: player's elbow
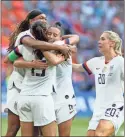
column 76, row 38
column 16, row 64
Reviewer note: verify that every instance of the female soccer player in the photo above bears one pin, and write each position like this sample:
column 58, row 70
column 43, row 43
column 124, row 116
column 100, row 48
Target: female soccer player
column 108, row 114
column 35, row 104
column 63, row 95
column 67, row 104
column 23, row 35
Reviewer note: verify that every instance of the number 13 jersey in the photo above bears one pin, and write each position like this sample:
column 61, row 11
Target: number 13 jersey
column 109, row 79
column 36, row 81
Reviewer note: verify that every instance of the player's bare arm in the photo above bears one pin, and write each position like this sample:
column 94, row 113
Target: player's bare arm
column 15, row 58
column 73, row 38
column 37, row 64
column 42, row 45
column 6, row 60
column 53, row 58
column 77, row 67
column 73, row 48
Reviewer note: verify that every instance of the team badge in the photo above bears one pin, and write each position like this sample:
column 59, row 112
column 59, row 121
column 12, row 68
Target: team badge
column 104, row 69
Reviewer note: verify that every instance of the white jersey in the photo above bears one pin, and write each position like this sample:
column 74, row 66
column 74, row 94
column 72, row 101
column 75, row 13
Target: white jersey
column 64, row 89
column 18, row 73
column 109, row 80
column 36, row 81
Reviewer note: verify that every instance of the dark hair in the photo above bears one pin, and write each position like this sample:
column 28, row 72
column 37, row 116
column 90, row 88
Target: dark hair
column 57, row 25
column 22, row 26
column 38, row 29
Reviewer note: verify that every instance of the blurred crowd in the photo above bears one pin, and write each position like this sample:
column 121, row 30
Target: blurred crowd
column 88, row 19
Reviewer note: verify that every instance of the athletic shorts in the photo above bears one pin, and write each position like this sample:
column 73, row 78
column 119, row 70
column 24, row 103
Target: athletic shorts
column 13, row 94
column 37, row 109
column 65, row 111
column 113, row 112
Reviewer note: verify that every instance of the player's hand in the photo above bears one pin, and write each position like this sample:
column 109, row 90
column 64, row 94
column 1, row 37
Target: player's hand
column 65, row 50
column 38, row 64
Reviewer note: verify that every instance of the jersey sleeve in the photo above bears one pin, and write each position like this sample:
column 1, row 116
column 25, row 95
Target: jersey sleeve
column 19, row 49
column 21, row 36
column 89, row 66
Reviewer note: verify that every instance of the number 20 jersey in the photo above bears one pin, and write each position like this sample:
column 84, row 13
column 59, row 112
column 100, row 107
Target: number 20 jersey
column 109, row 79
column 36, row 81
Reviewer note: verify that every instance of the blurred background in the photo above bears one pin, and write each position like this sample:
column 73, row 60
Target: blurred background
column 88, row 19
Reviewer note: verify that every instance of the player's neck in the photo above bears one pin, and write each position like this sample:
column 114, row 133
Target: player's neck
column 109, row 56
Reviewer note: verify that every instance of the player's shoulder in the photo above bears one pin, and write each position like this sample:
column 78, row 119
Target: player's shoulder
column 119, row 59
column 97, row 59
column 27, row 32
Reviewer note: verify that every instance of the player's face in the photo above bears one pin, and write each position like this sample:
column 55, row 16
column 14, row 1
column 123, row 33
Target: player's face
column 53, row 34
column 104, row 44
column 41, row 17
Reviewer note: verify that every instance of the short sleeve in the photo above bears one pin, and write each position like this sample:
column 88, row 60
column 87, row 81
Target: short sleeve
column 19, row 49
column 89, row 66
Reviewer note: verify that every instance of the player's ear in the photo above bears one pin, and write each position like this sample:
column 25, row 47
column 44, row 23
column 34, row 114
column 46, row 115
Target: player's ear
column 112, row 44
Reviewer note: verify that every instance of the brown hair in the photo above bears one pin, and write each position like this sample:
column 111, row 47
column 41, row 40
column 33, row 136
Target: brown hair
column 22, row 26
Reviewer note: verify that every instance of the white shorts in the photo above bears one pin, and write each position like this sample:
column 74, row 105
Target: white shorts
column 113, row 113
column 37, row 109
column 65, row 111
column 13, row 94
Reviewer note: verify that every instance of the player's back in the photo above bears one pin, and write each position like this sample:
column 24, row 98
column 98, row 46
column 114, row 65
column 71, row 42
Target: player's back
column 36, row 81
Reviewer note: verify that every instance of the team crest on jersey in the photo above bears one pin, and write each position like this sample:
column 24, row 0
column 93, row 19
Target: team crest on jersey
column 104, row 69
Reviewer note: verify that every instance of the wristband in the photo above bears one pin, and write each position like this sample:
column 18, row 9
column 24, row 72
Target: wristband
column 67, row 41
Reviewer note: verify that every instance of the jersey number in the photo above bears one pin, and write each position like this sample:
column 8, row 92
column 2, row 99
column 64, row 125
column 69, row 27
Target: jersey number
column 37, row 74
column 110, row 112
column 101, row 79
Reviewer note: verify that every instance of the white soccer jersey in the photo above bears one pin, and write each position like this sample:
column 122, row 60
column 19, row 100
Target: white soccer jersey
column 109, row 80
column 64, row 88
column 18, row 73
column 36, row 81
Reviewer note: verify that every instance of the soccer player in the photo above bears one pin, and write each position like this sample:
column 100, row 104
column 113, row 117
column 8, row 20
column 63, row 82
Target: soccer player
column 35, row 104
column 63, row 95
column 22, row 35
column 68, row 103
column 108, row 114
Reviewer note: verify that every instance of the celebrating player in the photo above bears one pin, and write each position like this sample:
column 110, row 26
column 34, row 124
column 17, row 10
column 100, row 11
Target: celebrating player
column 63, row 95
column 15, row 80
column 35, row 104
column 108, row 113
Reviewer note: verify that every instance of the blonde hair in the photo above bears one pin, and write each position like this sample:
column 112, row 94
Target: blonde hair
column 118, row 41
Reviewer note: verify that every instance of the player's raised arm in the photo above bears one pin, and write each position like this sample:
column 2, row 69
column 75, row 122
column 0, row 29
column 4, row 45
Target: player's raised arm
column 72, row 39
column 77, row 67
column 52, row 58
column 73, row 48
column 42, row 45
